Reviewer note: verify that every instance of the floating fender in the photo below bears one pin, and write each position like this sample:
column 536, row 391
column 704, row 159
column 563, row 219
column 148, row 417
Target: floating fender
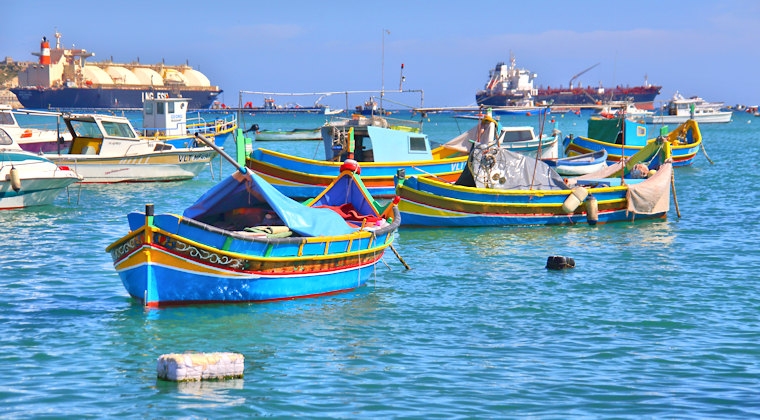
column 558, row 262
column 200, row 366
column 574, row 199
column 592, row 210
column 15, row 180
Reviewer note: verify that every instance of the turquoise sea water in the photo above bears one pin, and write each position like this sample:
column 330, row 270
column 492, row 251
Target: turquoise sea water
column 660, row 319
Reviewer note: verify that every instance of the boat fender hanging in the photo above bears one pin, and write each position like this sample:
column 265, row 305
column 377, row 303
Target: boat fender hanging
column 592, row 210
column 15, row 180
column 574, row 199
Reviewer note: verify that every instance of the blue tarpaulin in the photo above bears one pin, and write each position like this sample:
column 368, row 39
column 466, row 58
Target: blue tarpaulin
column 239, row 191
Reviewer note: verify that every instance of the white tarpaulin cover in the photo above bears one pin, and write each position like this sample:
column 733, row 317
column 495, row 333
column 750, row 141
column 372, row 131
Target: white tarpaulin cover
column 496, row 168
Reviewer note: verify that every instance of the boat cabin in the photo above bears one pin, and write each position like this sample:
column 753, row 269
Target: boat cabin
column 516, row 134
column 165, row 116
column 615, row 130
column 374, row 140
column 90, row 130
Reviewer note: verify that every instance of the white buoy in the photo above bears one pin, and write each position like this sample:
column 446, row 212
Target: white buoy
column 574, row 199
column 592, row 210
column 15, row 180
column 182, row 367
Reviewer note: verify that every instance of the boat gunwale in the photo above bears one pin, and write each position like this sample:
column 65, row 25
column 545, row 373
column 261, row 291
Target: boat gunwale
column 359, row 234
column 337, row 164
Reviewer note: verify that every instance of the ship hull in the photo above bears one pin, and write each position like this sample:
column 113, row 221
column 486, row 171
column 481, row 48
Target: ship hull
column 643, row 100
column 103, row 97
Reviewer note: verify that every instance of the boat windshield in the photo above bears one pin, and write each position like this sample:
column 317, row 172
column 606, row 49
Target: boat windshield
column 5, row 139
column 118, row 129
column 6, row 118
column 86, row 129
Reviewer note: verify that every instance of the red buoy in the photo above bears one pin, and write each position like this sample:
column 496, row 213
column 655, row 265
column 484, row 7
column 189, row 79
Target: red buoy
column 351, row 165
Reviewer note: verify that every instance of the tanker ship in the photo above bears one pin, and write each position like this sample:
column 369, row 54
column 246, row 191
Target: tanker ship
column 509, row 86
column 63, row 79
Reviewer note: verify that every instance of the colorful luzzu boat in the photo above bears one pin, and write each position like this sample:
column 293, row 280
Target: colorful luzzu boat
column 622, row 137
column 380, row 148
column 503, row 188
column 243, row 241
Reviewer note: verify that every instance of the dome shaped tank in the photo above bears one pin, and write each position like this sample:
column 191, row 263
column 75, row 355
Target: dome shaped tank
column 196, row 78
column 148, row 76
column 121, row 75
column 96, row 75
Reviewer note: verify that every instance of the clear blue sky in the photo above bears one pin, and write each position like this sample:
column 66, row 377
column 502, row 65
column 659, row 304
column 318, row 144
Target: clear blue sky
column 697, row 47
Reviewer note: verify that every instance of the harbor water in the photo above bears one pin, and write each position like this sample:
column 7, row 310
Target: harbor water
column 659, row 319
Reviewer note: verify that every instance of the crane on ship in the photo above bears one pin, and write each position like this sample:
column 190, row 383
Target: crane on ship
column 580, row 74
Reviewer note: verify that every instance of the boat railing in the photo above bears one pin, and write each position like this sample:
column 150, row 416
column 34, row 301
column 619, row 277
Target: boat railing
column 200, row 125
column 195, row 125
column 379, row 121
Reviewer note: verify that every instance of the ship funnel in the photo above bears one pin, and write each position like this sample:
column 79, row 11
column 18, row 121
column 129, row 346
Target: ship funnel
column 44, row 51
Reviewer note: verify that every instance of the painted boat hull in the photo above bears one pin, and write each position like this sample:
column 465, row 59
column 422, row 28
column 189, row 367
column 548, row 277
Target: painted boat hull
column 302, row 178
column 172, row 261
column 643, row 97
column 41, row 180
column 105, row 97
column 170, row 166
column 580, row 164
column 596, row 198
column 685, row 141
column 427, row 202
column 683, row 155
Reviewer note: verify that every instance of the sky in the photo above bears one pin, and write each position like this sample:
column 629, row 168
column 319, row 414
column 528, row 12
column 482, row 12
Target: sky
column 700, row 48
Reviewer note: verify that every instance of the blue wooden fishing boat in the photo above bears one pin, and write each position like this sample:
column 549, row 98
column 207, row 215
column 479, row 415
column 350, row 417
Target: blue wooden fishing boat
column 243, row 241
column 500, row 187
column 381, row 145
column 622, row 137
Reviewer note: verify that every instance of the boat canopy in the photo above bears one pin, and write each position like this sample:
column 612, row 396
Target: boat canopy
column 250, row 190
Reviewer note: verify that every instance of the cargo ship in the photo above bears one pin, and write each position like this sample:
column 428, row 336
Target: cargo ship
column 63, row 79
column 510, row 86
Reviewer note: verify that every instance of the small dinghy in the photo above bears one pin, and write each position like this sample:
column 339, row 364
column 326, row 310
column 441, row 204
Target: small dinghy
column 579, row 164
